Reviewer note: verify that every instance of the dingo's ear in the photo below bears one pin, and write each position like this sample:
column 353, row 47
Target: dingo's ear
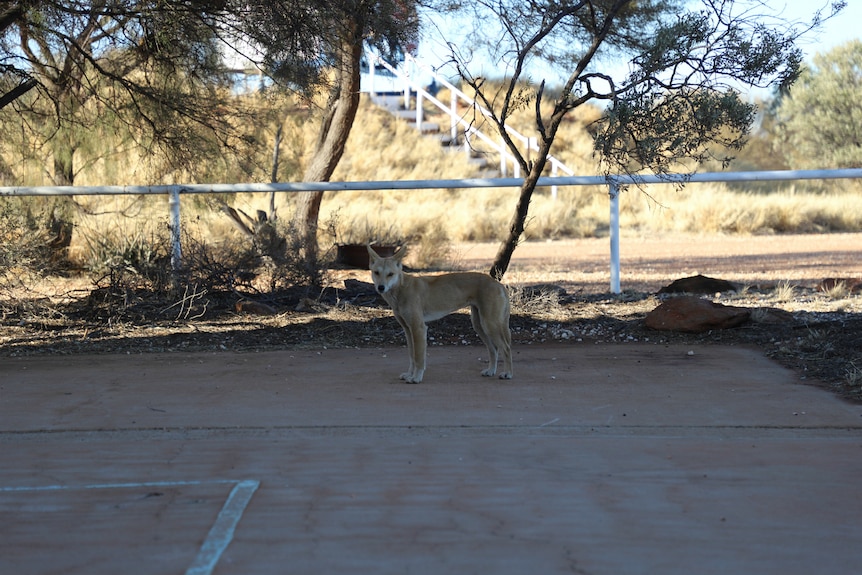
column 400, row 253
column 372, row 254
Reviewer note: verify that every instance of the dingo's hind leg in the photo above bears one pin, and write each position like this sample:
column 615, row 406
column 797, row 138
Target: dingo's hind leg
column 493, row 349
column 500, row 338
column 505, row 345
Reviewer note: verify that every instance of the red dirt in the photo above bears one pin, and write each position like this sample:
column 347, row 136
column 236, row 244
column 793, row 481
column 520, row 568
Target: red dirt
column 647, row 264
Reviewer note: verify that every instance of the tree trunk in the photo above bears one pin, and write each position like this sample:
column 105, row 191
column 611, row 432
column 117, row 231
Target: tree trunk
column 334, row 131
column 274, row 174
column 64, row 166
column 516, row 229
column 519, row 219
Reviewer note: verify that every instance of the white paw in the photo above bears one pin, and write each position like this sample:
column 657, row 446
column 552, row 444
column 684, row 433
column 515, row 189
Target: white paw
column 411, row 378
column 506, row 375
column 489, row 372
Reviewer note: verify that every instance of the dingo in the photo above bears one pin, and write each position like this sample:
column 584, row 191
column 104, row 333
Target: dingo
column 416, row 300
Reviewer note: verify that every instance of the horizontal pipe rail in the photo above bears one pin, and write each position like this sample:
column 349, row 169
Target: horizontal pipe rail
column 614, row 183
column 623, row 180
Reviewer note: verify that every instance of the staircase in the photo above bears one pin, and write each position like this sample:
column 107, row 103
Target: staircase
column 400, row 92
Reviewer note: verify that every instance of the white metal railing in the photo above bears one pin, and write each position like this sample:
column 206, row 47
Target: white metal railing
column 614, row 182
column 456, row 119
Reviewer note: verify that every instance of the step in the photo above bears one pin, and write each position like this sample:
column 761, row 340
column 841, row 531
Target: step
column 427, row 127
column 390, row 102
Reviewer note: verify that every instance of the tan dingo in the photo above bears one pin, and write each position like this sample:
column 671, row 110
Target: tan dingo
column 416, row 300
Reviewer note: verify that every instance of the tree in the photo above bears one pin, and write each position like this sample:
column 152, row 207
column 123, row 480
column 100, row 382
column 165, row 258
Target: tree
column 77, row 76
column 314, row 46
column 152, row 69
column 156, row 68
column 16, row 82
column 674, row 102
column 820, row 118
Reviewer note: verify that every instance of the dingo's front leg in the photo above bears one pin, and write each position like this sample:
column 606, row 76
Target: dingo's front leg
column 407, row 375
column 416, row 332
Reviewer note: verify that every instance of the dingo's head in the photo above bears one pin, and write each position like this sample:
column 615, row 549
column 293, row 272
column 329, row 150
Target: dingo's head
column 385, row 272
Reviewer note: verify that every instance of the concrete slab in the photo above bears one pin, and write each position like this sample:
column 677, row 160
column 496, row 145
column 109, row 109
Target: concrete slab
column 595, row 459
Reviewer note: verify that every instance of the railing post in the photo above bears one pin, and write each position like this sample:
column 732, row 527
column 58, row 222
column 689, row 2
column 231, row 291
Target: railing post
column 614, row 193
column 419, row 112
column 176, row 247
column 554, row 171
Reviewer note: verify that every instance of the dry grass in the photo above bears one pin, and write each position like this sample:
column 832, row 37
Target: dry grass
column 382, row 147
column 483, row 214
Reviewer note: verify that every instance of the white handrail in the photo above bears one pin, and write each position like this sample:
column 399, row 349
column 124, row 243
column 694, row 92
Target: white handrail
column 614, row 183
column 529, row 142
column 456, row 119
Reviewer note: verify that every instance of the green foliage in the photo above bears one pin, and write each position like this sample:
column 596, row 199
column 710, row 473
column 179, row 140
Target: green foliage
column 302, row 41
column 129, row 258
column 29, row 251
column 134, row 74
column 660, row 130
column 675, row 106
column 820, row 119
column 23, row 242
column 269, row 264
column 671, row 108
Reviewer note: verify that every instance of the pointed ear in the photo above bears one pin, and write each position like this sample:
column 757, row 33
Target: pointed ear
column 400, row 253
column 372, row 254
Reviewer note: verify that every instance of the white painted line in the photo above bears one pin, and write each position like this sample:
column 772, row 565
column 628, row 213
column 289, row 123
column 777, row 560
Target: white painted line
column 222, row 531
column 553, row 421
column 111, row 485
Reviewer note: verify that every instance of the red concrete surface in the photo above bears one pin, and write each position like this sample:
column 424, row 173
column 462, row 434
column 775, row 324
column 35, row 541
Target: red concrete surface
column 599, row 459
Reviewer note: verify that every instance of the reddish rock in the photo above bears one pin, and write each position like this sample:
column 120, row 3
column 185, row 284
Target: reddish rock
column 356, row 255
column 698, row 284
column 771, row 315
column 695, row 315
column 254, row 308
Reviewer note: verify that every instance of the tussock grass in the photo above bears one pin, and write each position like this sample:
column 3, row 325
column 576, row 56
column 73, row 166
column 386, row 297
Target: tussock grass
column 784, row 292
column 839, row 291
column 537, row 302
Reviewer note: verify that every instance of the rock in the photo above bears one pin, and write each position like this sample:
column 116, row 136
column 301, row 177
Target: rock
column 357, row 287
column 771, row 315
column 694, row 315
column 255, row 308
column 698, row 284
column 356, row 255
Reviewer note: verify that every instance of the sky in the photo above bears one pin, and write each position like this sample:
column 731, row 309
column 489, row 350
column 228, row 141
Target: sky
column 838, row 30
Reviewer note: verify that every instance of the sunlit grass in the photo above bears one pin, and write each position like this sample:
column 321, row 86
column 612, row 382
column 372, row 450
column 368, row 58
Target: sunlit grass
column 382, row 147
